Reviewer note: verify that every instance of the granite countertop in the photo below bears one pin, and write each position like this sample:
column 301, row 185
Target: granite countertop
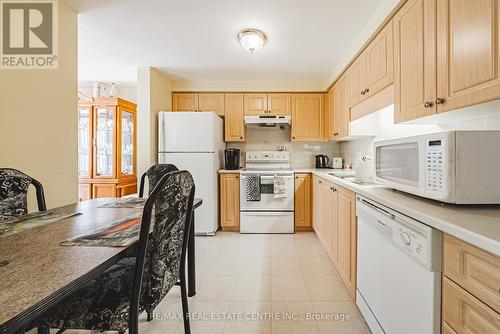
column 478, row 225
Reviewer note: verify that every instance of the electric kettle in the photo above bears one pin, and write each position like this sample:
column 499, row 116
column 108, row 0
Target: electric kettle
column 322, row 161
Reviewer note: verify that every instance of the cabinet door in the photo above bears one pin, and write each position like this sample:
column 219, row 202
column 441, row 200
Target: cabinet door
column 105, row 190
column 279, row 104
column 346, row 238
column 127, row 135
column 84, row 191
column 308, row 117
column 185, row 102
column 343, row 112
column 302, row 202
column 380, row 61
column 316, row 210
column 326, row 225
column 211, row 102
column 105, row 142
column 465, row 313
column 85, row 142
column 468, row 52
column 234, row 121
column 230, row 201
column 357, row 78
column 255, row 104
column 415, row 60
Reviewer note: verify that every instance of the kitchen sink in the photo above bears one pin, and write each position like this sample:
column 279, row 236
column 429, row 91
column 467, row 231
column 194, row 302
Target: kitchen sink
column 352, row 179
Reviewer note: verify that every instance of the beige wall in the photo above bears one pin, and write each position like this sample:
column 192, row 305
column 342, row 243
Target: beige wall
column 153, row 95
column 38, row 119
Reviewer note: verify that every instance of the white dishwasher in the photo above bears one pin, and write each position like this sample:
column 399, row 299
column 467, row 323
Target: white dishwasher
column 399, row 271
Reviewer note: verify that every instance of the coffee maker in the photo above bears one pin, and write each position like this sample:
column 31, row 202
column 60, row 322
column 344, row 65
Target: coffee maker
column 322, row 161
column 231, row 158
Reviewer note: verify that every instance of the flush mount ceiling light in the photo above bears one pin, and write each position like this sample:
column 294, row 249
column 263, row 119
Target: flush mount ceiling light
column 252, row 40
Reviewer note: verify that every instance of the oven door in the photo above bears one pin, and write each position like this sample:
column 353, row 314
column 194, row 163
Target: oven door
column 267, row 222
column 267, row 201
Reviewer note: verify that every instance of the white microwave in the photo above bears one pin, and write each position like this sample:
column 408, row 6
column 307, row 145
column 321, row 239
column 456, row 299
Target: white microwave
column 460, row 167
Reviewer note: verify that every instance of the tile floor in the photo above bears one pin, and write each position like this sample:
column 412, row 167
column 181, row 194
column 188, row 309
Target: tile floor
column 253, row 284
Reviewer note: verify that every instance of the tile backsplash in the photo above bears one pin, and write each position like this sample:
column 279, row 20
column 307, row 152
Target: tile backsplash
column 301, row 153
column 353, row 151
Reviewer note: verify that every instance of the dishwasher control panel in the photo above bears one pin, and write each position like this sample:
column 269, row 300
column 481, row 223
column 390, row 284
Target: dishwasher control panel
column 412, row 241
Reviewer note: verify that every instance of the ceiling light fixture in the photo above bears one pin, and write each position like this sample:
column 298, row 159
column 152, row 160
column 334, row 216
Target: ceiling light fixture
column 252, row 40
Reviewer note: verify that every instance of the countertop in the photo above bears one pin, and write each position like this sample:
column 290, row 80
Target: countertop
column 478, row 225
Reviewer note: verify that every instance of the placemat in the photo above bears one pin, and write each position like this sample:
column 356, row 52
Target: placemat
column 32, row 221
column 122, row 233
column 129, row 203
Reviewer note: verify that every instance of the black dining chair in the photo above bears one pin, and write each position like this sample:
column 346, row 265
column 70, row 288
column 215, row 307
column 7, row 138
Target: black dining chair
column 114, row 300
column 14, row 186
column 154, row 174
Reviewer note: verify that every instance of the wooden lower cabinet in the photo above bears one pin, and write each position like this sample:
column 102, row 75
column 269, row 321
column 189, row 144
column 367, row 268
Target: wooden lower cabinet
column 84, row 191
column 103, row 190
column 230, row 202
column 334, row 221
column 464, row 313
column 346, row 238
column 471, row 289
column 303, row 189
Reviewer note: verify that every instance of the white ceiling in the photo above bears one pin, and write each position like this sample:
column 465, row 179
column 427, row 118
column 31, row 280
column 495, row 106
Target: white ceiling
column 195, row 40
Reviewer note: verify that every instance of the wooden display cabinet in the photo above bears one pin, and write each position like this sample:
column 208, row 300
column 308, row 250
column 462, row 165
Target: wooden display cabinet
column 107, row 148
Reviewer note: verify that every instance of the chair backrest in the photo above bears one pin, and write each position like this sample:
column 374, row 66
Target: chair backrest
column 14, row 186
column 154, row 174
column 161, row 255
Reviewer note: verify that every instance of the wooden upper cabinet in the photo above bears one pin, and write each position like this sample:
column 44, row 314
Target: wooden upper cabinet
column 211, row 102
column 415, row 60
column 303, row 202
column 343, row 112
column 380, row 61
column 357, row 77
column 255, row 104
column 279, row 104
column 308, row 117
column 468, row 52
column 230, row 201
column 185, row 102
column 234, row 122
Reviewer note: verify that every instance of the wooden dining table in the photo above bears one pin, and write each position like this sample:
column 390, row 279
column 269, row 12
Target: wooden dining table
column 36, row 272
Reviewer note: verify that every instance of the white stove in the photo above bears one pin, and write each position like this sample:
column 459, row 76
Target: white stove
column 267, row 193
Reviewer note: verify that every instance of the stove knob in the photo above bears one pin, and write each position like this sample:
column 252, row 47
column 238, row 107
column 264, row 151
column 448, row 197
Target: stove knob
column 405, row 237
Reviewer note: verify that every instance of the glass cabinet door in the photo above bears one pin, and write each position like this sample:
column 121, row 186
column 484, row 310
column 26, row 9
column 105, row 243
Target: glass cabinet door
column 127, row 143
column 84, row 132
column 104, row 142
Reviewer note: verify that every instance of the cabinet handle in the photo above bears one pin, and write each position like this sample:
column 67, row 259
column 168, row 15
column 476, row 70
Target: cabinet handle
column 440, row 100
column 336, row 134
column 428, row 104
column 367, row 90
column 293, row 137
column 320, row 182
column 362, row 92
column 241, row 137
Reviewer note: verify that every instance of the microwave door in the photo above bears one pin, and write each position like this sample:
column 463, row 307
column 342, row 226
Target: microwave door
column 399, row 163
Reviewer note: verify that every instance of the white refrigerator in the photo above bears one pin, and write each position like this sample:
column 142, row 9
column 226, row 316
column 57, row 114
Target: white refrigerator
column 193, row 141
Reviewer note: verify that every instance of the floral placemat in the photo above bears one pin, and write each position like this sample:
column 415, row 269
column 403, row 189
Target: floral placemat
column 121, row 233
column 32, row 221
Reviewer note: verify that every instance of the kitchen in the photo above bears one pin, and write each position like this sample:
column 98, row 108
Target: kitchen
column 365, row 201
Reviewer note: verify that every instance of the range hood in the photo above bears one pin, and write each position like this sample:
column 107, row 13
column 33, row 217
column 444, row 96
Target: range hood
column 267, row 121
